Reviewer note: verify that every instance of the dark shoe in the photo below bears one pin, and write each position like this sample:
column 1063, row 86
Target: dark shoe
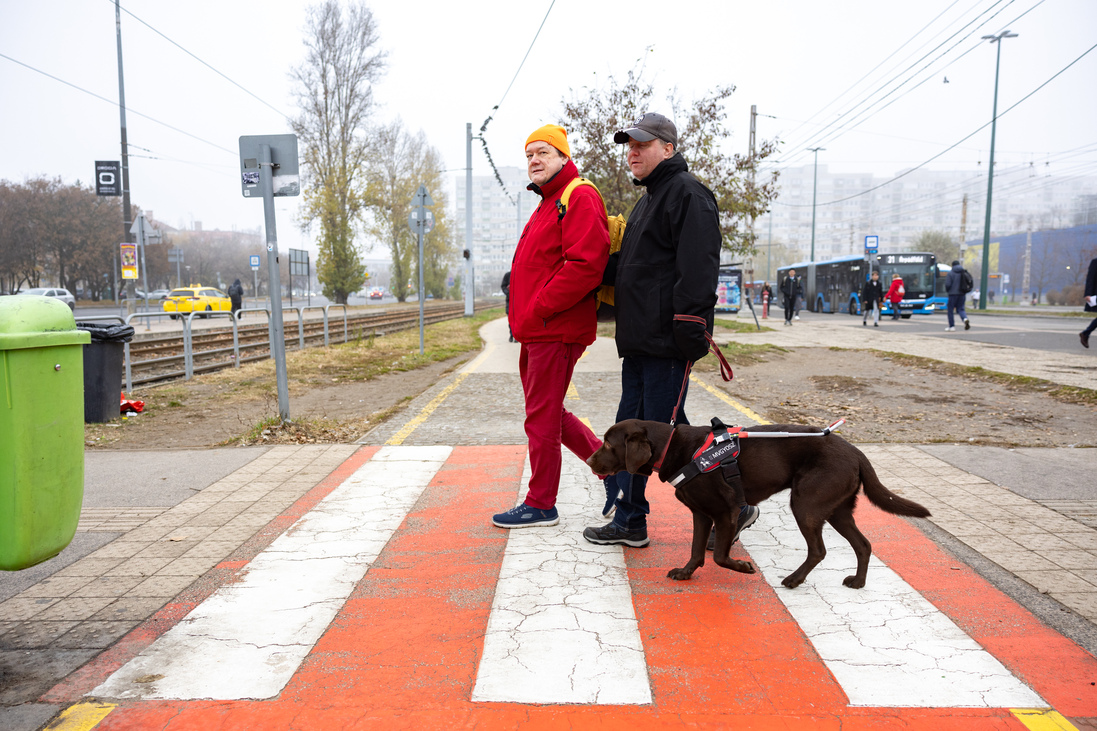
column 967, row 324
column 613, row 534
column 864, row 324
column 1084, row 337
column 611, row 500
column 523, row 516
column 747, row 515
column 876, row 324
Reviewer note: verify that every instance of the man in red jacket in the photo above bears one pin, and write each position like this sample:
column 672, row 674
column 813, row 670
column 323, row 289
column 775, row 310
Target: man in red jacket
column 557, row 266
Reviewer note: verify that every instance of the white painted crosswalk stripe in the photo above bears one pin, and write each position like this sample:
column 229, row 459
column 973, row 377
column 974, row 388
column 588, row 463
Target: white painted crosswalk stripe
column 248, row 639
column 563, row 627
column 886, row 644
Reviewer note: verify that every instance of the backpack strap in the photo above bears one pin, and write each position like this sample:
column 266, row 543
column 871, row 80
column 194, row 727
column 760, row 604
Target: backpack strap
column 562, row 201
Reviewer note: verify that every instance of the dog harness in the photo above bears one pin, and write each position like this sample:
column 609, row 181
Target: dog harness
column 720, row 449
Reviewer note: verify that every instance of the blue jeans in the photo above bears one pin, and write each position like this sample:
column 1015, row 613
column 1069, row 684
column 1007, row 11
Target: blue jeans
column 649, row 390
column 956, row 302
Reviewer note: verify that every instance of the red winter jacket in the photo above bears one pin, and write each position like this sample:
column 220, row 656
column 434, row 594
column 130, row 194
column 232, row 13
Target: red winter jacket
column 894, row 295
column 558, row 264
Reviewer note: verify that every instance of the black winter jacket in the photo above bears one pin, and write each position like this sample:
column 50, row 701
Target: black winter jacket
column 1091, row 283
column 871, row 293
column 668, row 265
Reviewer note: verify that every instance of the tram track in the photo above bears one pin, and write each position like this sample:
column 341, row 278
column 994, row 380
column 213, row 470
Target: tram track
column 160, row 358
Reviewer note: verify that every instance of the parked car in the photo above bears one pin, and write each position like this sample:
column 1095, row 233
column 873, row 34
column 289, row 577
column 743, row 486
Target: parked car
column 58, row 292
column 184, row 300
column 158, row 294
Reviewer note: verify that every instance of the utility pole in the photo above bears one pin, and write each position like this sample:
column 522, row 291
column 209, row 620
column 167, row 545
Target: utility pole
column 753, row 166
column 963, row 229
column 127, row 223
column 469, row 283
column 814, row 190
column 1025, row 281
column 990, row 170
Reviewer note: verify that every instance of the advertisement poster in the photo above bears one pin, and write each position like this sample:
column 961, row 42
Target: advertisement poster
column 729, row 290
column 129, row 261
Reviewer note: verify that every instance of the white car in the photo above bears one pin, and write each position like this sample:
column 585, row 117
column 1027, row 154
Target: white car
column 59, row 292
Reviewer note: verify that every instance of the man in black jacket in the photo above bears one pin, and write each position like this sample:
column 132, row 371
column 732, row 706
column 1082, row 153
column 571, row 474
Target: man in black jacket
column 1091, row 302
column 792, row 288
column 872, row 298
column 667, row 266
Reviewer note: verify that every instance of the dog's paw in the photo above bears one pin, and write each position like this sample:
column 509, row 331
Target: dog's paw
column 679, row 574
column 791, row 581
column 749, row 568
column 854, row 582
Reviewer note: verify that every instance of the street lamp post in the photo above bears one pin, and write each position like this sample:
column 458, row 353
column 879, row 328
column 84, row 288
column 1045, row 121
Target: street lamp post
column 814, row 189
column 990, row 170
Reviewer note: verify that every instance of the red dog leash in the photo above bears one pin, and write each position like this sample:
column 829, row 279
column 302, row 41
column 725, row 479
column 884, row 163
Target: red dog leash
column 725, row 373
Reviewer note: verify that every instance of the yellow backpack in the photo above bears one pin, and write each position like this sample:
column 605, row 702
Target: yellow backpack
column 616, row 226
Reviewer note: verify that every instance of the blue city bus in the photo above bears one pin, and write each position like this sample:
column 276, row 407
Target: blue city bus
column 922, row 280
column 834, row 285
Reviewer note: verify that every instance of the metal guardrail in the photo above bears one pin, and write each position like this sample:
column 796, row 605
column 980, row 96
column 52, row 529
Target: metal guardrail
column 326, row 323
column 188, row 345
column 126, row 350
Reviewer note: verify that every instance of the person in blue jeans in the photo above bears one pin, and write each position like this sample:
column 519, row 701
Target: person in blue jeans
column 957, row 286
column 667, row 266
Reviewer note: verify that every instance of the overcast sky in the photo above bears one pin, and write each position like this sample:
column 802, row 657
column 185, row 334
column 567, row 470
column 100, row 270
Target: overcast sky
column 803, row 62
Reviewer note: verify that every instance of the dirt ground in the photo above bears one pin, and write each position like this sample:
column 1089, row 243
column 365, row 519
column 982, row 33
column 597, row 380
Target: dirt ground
column 886, row 400
column 194, row 414
column 881, row 398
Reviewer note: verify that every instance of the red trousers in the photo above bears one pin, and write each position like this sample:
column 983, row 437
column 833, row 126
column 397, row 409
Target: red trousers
column 546, row 370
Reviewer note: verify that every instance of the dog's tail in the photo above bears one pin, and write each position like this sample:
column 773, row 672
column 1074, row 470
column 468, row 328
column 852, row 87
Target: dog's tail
column 884, row 498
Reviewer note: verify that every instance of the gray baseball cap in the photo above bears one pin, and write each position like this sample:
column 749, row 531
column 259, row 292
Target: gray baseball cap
column 648, row 127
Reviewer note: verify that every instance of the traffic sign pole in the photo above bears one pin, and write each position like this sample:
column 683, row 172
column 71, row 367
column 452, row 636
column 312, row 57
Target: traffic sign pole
column 277, row 340
column 421, row 220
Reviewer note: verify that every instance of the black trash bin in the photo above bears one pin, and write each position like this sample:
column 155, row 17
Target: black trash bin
column 103, row 369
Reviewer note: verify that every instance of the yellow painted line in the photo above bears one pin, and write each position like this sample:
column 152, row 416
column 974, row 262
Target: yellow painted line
column 81, row 716
column 475, row 362
column 730, row 401
column 398, row 438
column 586, row 422
column 1042, row 719
column 573, row 392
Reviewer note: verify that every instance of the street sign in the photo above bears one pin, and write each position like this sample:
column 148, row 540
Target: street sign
column 254, row 261
column 298, row 263
column 175, row 255
column 108, row 177
column 283, row 158
column 129, row 261
column 413, row 220
column 872, row 244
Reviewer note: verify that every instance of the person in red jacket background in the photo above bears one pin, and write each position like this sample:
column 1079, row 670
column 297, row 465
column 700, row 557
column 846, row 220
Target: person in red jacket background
column 895, row 295
column 557, row 266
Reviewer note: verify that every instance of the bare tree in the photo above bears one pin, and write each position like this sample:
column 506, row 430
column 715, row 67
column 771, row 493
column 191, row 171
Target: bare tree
column 334, row 90
column 592, row 115
column 401, row 163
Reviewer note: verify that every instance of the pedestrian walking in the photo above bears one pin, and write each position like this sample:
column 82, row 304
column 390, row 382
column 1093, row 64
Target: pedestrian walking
column 236, row 295
column 958, row 283
column 872, row 299
column 791, row 290
column 559, row 262
column 667, row 267
column 895, row 295
column 1091, row 302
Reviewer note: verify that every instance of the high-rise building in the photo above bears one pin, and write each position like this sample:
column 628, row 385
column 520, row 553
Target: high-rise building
column 498, row 217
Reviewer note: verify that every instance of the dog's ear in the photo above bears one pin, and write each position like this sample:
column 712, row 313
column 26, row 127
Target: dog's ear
column 637, row 453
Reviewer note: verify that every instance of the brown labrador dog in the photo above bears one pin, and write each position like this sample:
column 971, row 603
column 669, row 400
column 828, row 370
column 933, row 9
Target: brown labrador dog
column 823, row 473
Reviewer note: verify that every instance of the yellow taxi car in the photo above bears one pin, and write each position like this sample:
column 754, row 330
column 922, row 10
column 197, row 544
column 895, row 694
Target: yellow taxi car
column 184, row 300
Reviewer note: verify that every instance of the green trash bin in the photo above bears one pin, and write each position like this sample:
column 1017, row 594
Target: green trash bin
column 41, row 429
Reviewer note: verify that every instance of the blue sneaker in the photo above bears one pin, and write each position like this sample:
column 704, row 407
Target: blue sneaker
column 523, row 516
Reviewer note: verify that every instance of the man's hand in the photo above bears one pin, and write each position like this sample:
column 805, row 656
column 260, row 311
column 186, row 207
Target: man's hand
column 690, row 339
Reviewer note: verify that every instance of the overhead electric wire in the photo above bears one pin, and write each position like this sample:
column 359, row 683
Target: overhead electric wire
column 852, row 123
column 207, row 65
column 130, row 110
column 977, row 21
column 962, row 140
